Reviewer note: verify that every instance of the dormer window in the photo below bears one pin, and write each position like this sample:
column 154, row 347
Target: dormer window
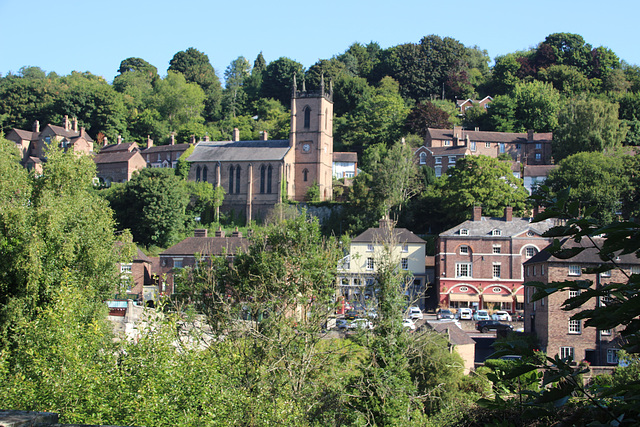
column 464, row 232
column 447, row 143
column 496, row 232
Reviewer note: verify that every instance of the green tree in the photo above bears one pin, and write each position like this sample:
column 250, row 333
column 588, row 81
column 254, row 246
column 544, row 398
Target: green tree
column 152, row 205
column 24, row 100
column 234, row 97
column 277, row 79
column 426, row 115
column 178, row 101
column 570, row 49
column 196, row 68
column 137, row 65
column 587, row 125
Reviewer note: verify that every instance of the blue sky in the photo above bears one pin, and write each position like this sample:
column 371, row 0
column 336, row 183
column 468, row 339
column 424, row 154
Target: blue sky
column 94, row 35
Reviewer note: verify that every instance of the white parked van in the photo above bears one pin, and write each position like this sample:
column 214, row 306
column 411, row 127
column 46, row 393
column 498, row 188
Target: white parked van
column 465, row 314
column 415, row 313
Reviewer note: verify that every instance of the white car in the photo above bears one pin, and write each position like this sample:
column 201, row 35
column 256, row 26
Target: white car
column 465, row 313
column 415, row 313
column 408, row 323
column 502, row 315
column 481, row 315
column 362, row 324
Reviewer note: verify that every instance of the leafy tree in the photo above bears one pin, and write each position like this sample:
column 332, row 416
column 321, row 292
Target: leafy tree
column 196, row 68
column 253, row 84
column 480, row 180
column 234, row 76
column 152, row 205
column 426, row 115
column 137, row 65
column 505, row 74
column 570, row 49
column 179, row 102
column 272, row 118
column 277, row 79
column 587, row 125
column 24, row 100
column 348, row 92
column 568, row 80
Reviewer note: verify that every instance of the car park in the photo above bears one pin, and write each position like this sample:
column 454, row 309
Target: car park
column 492, row 325
column 481, row 315
column 408, row 323
column 501, row 315
column 465, row 314
column 415, row 313
column 444, row 313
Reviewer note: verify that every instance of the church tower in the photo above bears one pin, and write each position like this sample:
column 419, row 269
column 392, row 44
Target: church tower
column 312, row 140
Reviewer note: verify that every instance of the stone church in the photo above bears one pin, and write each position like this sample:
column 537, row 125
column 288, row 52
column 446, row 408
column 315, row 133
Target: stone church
column 256, row 175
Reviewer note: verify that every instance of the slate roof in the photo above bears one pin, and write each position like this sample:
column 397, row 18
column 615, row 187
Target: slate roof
column 115, row 157
column 166, row 148
column 486, row 225
column 456, row 335
column 112, row 148
column 239, row 151
column 346, row 157
column 26, row 134
column 448, row 151
column 588, row 256
column 401, row 235
column 538, row 170
column 207, row 246
column 484, row 136
column 59, row 130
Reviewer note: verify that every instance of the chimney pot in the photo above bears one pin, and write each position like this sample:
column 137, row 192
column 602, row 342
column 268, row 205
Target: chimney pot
column 36, row 126
column 236, row 134
column 119, row 139
column 75, row 124
column 106, row 141
column 265, row 135
column 66, row 122
column 173, row 139
column 149, row 142
column 219, row 232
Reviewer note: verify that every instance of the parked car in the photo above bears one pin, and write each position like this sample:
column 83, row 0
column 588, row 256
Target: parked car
column 415, row 313
column 481, row 315
column 444, row 313
column 408, row 323
column 492, row 325
column 351, row 315
column 519, row 316
column 362, row 324
column 501, row 315
column 465, row 314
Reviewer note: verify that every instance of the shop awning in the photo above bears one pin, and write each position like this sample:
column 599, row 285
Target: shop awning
column 520, row 298
column 497, row 298
column 464, row 297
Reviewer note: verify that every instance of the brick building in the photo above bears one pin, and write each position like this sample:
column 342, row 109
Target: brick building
column 118, row 162
column 479, row 262
column 557, row 333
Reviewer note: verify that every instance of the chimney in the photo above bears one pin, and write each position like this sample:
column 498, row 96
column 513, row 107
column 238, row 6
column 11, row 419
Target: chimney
column 384, row 223
column 466, row 140
column 149, row 142
column 66, row 122
column 36, row 126
column 83, row 132
column 206, row 137
column 457, row 132
column 75, row 124
column 508, row 214
column 236, row 134
column 192, row 139
column 173, row 139
column 477, row 213
column 530, row 135
column 477, row 129
column 219, row 232
column 119, row 139
column 236, row 233
column 106, row 141
column 265, row 135
column 200, row 232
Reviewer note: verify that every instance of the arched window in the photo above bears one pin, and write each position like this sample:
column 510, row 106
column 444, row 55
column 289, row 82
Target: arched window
column 307, row 117
column 423, row 158
column 305, row 174
column 198, row 174
column 204, row 173
column 262, row 178
column 231, row 169
column 269, row 174
column 237, row 179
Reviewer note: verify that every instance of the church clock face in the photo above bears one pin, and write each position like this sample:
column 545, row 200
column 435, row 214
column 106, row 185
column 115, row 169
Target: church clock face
column 306, row 148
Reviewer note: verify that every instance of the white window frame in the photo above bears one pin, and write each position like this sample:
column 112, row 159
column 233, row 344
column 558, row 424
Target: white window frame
column 530, row 251
column 605, row 332
column 438, row 160
column 405, row 263
column 423, row 158
column 566, row 353
column 606, row 273
column 612, row 356
column 369, row 247
column 503, row 148
column 125, row 268
column 472, row 145
column 370, row 263
column 452, row 160
column 177, row 262
column 487, row 145
column 575, row 327
column 464, row 232
column 405, row 248
column 574, row 293
column 497, row 249
column 575, row 270
column 464, row 250
column 635, row 269
column 464, row 269
column 496, row 270
column 438, row 170
column 496, row 232
column 446, row 142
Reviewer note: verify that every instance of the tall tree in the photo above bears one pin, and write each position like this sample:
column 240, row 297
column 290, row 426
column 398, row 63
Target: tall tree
column 178, row 101
column 587, row 125
column 426, row 115
column 277, row 80
column 235, row 76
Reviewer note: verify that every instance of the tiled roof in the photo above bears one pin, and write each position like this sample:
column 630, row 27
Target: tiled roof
column 59, row 130
column 112, row 148
column 166, row 148
column 483, row 136
column 239, row 151
column 511, row 228
column 26, row 135
column 456, row 335
column 538, row 170
column 117, row 157
column 448, row 151
column 588, row 256
column 207, row 246
column 342, row 156
column 401, row 235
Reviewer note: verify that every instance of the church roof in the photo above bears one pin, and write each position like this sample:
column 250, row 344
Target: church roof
column 239, row 151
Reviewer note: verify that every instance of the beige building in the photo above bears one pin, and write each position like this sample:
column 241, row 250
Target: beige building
column 357, row 270
column 257, row 175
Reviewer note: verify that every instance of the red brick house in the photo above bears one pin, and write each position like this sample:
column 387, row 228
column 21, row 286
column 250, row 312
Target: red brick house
column 118, row 162
column 557, row 333
column 164, row 156
column 199, row 248
column 479, row 262
column 443, row 146
column 464, row 104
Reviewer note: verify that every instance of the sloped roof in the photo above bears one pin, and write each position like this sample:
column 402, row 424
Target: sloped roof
column 207, row 246
column 342, row 156
column 166, row 148
column 456, row 335
column 511, row 228
column 484, row 136
column 26, row 134
column 588, row 256
column 117, row 157
column 401, row 235
column 538, row 170
column 239, row 151
column 448, row 151
column 112, row 148
column 61, row 131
